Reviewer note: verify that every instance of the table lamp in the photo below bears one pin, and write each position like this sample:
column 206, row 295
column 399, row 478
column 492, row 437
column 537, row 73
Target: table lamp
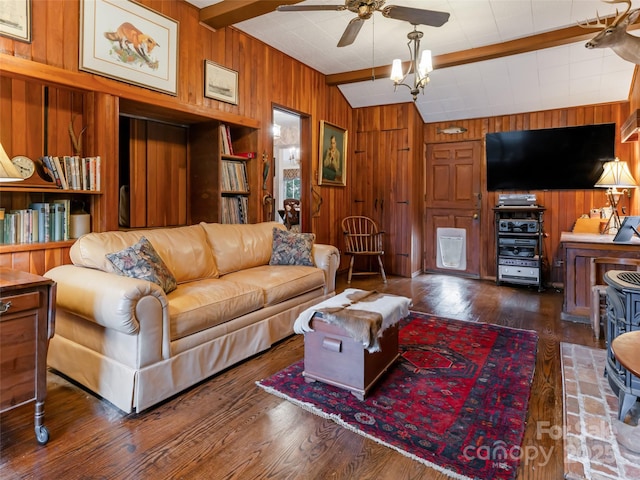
column 615, row 175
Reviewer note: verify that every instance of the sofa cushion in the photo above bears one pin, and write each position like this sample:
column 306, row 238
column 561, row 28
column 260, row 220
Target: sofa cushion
column 184, row 250
column 279, row 282
column 143, row 262
column 290, row 248
column 240, row 246
column 196, row 306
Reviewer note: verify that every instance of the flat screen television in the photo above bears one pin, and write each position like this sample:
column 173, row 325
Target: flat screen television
column 568, row 158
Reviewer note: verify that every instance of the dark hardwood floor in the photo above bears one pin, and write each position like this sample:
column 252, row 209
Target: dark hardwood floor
column 227, row 427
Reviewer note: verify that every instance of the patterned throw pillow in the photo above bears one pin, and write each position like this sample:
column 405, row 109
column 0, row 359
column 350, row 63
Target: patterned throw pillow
column 292, row 248
column 143, row 262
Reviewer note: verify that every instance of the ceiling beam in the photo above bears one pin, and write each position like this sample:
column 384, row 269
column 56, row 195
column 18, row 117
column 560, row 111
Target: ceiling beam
column 229, row 12
column 539, row 41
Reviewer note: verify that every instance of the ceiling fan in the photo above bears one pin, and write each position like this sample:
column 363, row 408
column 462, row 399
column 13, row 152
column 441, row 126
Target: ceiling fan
column 365, row 9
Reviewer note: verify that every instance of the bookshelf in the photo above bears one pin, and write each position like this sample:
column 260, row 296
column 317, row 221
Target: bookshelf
column 220, row 173
column 39, row 124
column 235, row 191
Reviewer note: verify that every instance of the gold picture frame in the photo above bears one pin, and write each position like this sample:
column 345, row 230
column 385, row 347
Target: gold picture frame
column 129, row 42
column 15, row 20
column 332, row 169
column 220, row 83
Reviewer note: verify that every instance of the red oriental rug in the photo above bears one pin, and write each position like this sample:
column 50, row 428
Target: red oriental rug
column 455, row 400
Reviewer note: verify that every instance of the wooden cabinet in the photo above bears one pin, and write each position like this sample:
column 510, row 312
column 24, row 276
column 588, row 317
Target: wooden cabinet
column 578, row 250
column 27, row 318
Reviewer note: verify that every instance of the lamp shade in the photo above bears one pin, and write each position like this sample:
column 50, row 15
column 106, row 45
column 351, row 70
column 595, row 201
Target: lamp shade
column 396, row 71
column 426, row 64
column 616, row 174
column 8, row 172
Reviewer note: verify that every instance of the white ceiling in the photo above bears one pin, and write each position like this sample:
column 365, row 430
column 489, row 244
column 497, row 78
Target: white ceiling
column 552, row 78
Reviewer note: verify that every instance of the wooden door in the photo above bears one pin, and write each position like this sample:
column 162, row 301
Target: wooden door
column 395, row 193
column 453, row 200
column 364, row 196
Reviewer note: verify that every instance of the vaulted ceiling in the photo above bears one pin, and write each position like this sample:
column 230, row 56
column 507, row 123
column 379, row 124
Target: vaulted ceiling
column 492, row 57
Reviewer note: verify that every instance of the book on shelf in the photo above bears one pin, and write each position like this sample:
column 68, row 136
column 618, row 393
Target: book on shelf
column 43, row 220
column 1, row 225
column 48, row 161
column 235, row 209
column 10, row 228
column 65, row 205
column 57, row 234
column 226, row 147
column 234, row 176
column 247, row 155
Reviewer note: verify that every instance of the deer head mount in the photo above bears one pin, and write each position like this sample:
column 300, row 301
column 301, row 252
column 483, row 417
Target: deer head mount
column 615, row 35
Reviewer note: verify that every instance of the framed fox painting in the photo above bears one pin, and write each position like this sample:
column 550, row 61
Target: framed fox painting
column 129, row 42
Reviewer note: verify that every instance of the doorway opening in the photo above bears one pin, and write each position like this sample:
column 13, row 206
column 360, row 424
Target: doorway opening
column 288, row 166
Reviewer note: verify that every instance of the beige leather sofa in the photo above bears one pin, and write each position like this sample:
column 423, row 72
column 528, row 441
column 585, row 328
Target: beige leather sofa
column 132, row 344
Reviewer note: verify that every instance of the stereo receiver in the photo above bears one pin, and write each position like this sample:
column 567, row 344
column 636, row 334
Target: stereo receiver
column 518, row 226
column 517, row 247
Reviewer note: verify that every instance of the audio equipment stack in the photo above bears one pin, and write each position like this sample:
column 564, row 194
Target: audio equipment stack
column 519, row 245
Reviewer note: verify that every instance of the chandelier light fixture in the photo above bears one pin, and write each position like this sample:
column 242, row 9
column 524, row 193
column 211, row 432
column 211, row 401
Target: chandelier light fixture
column 615, row 174
column 419, row 68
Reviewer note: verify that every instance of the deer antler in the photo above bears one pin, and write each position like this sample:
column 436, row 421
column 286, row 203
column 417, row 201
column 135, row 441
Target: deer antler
column 76, row 140
column 600, row 24
column 622, row 15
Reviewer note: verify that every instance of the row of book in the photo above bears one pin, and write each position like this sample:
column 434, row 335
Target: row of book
column 235, row 209
column 234, row 176
column 74, row 172
column 41, row 222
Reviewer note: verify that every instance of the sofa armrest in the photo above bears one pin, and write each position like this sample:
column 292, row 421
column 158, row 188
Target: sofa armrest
column 327, row 257
column 105, row 298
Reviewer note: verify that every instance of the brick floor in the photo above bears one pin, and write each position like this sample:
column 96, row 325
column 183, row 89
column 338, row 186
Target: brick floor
column 591, row 450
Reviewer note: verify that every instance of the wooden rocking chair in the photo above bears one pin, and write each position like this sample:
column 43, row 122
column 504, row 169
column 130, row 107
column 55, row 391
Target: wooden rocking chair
column 361, row 237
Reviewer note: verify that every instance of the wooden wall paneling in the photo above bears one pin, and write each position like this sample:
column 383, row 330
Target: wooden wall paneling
column 204, row 180
column 55, row 38
column 102, row 121
column 6, row 114
column 563, row 207
column 166, row 174
column 36, row 261
column 137, row 173
column 18, row 120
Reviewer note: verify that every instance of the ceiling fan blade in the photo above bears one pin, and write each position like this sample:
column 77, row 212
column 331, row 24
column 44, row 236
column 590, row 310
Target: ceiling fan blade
column 308, row 8
column 351, row 32
column 416, row 16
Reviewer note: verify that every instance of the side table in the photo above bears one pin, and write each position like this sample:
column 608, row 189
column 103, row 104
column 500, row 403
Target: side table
column 27, row 319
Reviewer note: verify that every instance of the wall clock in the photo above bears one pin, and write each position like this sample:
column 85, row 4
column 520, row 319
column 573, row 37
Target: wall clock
column 25, row 165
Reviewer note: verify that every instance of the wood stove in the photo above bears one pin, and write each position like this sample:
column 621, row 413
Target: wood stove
column 623, row 315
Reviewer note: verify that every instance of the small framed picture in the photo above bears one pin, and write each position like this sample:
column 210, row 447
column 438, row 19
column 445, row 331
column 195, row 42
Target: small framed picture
column 333, row 155
column 15, row 19
column 220, row 83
